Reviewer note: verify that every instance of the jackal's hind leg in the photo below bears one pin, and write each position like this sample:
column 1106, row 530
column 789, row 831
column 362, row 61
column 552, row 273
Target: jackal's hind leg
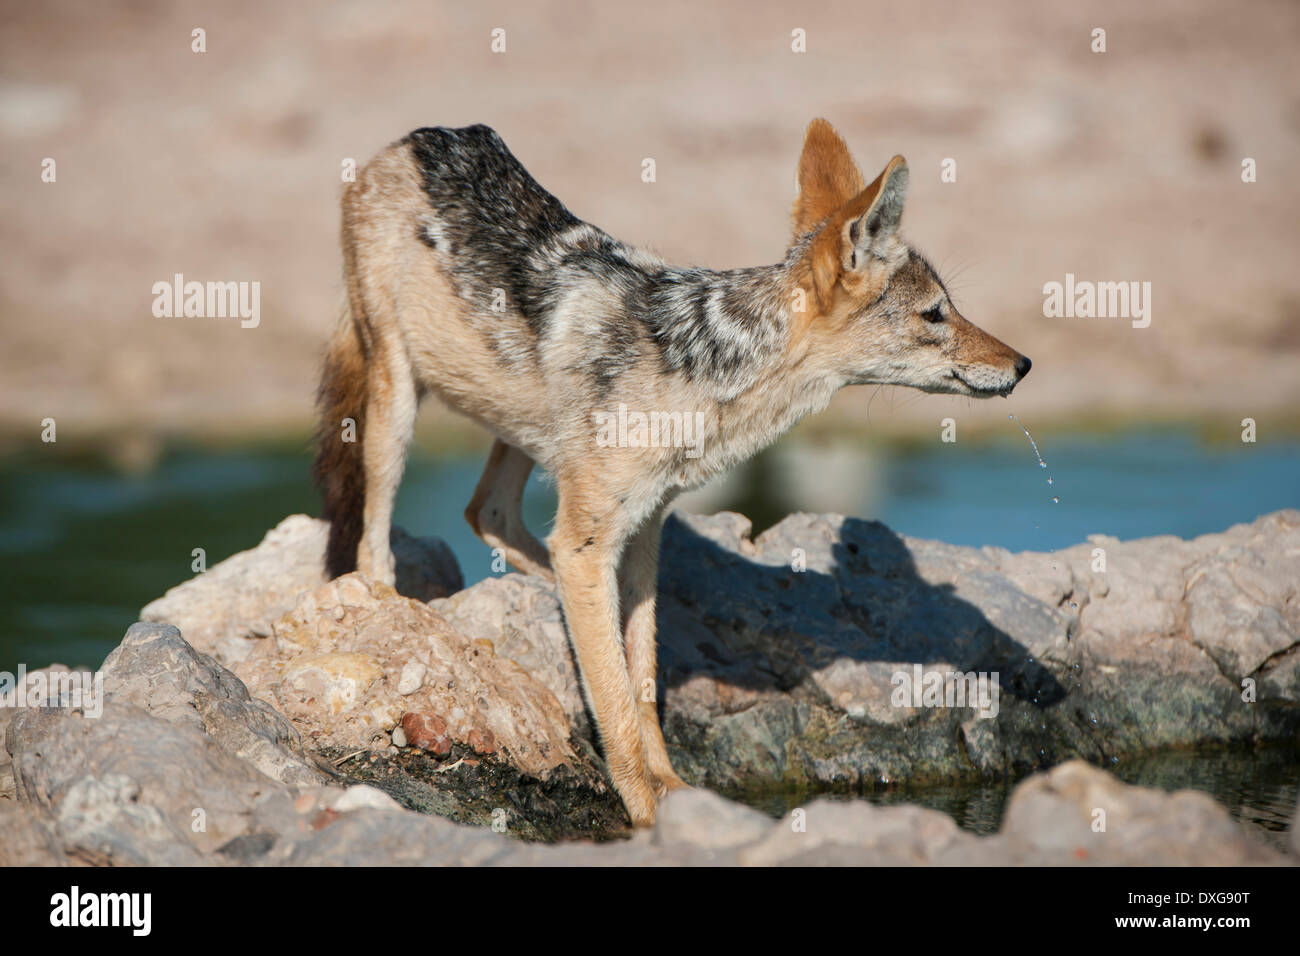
column 386, row 436
column 495, row 512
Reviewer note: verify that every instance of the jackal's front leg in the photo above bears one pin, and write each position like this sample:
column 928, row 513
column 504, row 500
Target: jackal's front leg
column 638, row 586
column 585, row 549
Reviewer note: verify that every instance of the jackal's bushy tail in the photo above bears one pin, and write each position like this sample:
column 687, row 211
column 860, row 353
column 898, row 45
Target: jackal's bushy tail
column 339, row 470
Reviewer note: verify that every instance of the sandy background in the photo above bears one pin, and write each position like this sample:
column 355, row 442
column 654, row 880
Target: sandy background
column 226, row 166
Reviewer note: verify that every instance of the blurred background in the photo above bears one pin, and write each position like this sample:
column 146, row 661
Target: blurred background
column 225, row 165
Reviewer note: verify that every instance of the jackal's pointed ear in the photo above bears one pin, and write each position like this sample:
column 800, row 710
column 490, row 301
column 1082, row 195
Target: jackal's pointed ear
column 857, row 232
column 827, row 178
column 884, row 211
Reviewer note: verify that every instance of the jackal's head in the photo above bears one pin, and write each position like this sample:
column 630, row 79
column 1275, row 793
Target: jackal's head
column 875, row 312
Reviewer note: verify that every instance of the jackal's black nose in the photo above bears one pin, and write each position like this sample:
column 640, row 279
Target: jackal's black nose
column 1023, row 367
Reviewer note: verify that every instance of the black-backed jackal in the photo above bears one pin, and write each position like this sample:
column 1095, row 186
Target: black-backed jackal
column 468, row 280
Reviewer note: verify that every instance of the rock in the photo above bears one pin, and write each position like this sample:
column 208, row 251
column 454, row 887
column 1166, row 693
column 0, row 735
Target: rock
column 334, row 665
column 1295, row 832
column 426, row 731
column 1077, row 811
column 336, row 681
column 477, row 733
column 129, row 787
column 779, row 657
column 224, row 610
column 857, row 833
column 155, row 669
column 362, row 796
column 40, row 686
column 482, row 742
column 521, row 616
column 27, row 838
column 145, row 784
column 411, row 679
column 373, row 837
column 702, row 819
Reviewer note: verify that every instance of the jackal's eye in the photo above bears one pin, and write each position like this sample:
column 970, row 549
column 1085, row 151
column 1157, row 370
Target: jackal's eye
column 932, row 315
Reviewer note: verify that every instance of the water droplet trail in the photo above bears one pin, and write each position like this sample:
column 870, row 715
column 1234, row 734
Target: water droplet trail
column 1033, row 444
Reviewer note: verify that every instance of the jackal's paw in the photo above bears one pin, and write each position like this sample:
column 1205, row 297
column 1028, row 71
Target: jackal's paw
column 381, row 569
column 665, row 784
column 639, row 799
